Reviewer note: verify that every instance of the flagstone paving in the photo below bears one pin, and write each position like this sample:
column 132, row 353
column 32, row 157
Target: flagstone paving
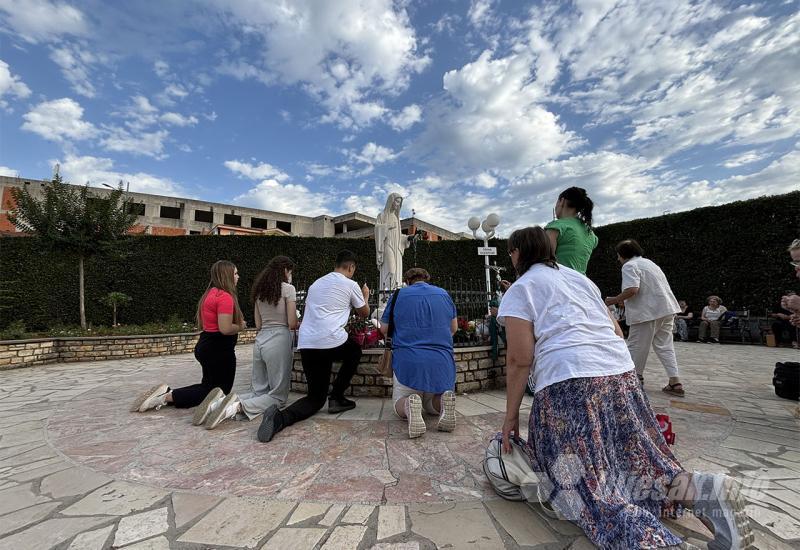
column 78, row 471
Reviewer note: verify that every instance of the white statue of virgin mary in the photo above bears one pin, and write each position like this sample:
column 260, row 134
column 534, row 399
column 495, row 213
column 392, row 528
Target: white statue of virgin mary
column 390, row 244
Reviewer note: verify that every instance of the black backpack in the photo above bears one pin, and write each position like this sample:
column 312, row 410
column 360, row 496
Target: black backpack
column 786, row 380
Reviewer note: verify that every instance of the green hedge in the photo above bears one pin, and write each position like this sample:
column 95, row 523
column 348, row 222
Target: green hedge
column 737, row 251
column 166, row 276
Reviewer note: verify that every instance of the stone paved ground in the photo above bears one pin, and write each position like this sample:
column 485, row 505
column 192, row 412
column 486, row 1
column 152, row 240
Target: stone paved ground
column 78, row 471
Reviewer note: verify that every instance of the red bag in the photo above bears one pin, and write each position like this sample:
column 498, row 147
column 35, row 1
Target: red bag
column 665, row 425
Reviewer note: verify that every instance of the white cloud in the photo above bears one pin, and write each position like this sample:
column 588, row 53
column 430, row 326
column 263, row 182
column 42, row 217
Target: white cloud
column 485, row 180
column 11, row 84
column 177, row 119
column 98, row 170
column 176, row 90
column 748, row 157
column 490, row 119
column 372, row 153
column 290, row 198
column 480, row 11
column 59, row 120
column 728, row 77
column 262, row 171
column 150, row 144
column 41, row 20
column 406, row 118
column 345, row 53
column 139, row 113
column 75, row 65
column 161, row 68
column 9, row 172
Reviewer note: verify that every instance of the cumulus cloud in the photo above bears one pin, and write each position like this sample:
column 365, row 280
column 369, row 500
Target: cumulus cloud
column 346, row 54
column 150, row 144
column 291, row 198
column 11, row 85
column 9, row 172
column 259, row 171
column 177, row 119
column 372, row 153
column 98, row 170
column 59, row 120
column 75, row 63
column 41, row 20
column 491, row 118
column 406, row 118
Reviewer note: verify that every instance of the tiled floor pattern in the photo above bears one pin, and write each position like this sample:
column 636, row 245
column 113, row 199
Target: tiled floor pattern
column 78, row 471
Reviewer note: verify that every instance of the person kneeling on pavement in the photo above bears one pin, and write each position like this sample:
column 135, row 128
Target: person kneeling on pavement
column 323, row 340
column 424, row 321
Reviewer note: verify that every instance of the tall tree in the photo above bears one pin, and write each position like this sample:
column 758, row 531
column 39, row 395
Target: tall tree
column 72, row 220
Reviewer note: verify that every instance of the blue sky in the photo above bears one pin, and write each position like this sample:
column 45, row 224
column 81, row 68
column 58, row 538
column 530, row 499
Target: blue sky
column 315, row 107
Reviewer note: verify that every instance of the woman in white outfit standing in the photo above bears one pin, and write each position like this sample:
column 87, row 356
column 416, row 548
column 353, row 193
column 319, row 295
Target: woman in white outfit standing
column 275, row 316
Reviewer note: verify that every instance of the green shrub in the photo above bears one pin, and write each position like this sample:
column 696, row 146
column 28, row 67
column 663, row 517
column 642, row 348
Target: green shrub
column 14, row 331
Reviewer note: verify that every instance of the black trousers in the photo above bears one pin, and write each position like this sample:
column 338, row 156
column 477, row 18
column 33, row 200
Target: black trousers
column 317, row 366
column 216, row 353
column 780, row 327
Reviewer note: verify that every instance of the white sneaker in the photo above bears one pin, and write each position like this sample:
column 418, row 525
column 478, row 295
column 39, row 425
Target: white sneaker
column 209, row 405
column 447, row 418
column 416, row 424
column 227, row 408
column 154, row 398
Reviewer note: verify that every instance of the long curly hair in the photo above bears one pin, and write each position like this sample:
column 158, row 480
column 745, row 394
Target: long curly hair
column 221, row 278
column 267, row 286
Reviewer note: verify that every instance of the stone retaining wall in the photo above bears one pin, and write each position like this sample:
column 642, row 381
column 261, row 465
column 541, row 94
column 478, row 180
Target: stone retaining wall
column 27, row 353
column 475, row 368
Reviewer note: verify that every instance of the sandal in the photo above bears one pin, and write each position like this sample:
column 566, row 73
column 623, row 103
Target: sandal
column 674, row 389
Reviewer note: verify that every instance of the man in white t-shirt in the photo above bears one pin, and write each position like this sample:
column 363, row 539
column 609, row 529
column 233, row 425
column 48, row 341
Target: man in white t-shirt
column 650, row 308
column 323, row 340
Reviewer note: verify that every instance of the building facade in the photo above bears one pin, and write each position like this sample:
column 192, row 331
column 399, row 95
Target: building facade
column 171, row 216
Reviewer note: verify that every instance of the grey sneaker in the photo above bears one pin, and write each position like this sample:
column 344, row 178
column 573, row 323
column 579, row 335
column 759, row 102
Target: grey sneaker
column 226, row 409
column 718, row 500
column 416, row 424
column 209, row 405
column 447, row 419
column 154, row 398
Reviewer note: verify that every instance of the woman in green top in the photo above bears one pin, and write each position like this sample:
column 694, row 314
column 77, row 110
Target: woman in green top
column 571, row 232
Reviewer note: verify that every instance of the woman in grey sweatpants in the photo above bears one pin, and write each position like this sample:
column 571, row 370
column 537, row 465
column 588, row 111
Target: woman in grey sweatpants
column 275, row 317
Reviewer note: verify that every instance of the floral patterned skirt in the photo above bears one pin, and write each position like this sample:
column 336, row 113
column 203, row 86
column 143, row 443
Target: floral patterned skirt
column 608, row 466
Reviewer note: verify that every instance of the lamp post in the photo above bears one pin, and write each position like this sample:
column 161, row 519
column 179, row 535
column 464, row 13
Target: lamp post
column 488, row 226
column 127, row 186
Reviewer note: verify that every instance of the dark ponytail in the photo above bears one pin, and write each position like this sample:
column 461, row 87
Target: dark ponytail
column 577, row 198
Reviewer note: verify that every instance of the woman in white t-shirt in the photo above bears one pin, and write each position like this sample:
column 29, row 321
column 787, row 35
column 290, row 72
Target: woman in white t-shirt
column 592, row 433
column 711, row 317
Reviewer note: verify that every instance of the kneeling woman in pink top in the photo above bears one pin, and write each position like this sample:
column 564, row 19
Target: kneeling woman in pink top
column 220, row 319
